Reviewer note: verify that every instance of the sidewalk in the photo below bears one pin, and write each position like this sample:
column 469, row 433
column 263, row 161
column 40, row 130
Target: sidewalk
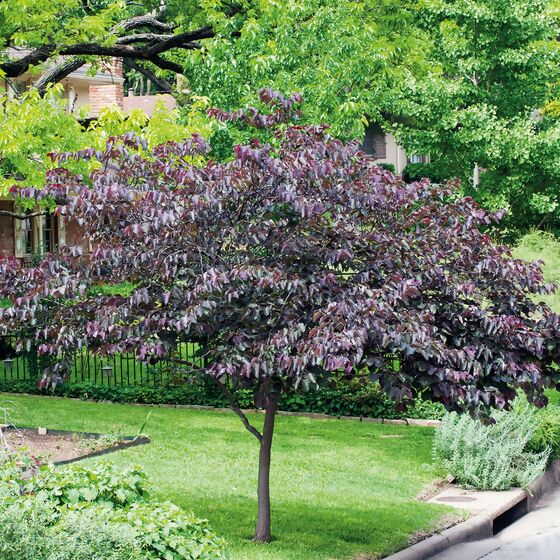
column 536, row 536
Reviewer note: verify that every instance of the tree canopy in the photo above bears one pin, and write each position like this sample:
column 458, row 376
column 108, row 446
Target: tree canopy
column 494, row 67
column 287, row 264
column 35, row 32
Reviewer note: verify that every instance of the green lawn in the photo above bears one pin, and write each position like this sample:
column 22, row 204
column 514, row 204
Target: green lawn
column 340, row 489
column 543, row 246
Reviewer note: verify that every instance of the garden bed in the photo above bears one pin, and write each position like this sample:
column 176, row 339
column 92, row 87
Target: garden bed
column 62, row 447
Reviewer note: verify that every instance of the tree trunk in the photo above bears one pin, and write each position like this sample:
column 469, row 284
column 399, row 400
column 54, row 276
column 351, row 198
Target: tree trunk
column 262, row 532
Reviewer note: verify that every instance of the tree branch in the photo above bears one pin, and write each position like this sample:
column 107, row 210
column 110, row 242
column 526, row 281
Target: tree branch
column 143, row 37
column 235, row 407
column 160, row 82
column 147, row 20
column 123, row 48
column 59, row 72
column 181, row 40
column 17, row 216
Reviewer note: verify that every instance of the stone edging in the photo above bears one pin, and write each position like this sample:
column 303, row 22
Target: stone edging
column 400, row 422
column 481, row 526
column 125, row 442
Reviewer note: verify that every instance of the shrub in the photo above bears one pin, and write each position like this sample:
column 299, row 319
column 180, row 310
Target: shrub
column 547, row 434
column 343, row 399
column 417, row 171
column 103, row 484
column 32, row 529
column 490, row 457
column 387, row 166
column 166, row 531
column 78, row 513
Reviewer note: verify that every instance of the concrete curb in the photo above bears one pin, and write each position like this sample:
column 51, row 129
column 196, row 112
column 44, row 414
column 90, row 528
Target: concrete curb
column 483, row 525
column 315, row 415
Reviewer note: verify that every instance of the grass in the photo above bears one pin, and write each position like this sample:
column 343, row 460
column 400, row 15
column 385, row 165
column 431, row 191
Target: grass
column 543, row 246
column 340, row 489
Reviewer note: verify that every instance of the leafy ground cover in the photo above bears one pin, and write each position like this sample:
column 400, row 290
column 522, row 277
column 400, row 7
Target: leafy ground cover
column 340, row 489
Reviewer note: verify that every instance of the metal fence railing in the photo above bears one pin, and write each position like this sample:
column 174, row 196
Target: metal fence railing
column 117, row 370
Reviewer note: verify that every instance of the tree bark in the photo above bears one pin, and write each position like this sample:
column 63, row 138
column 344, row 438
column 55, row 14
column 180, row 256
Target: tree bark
column 262, row 532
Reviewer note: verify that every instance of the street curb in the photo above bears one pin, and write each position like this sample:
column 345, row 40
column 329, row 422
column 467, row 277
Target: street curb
column 481, row 526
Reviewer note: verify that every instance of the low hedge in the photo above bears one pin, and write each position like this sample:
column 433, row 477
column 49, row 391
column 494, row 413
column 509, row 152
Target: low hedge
column 344, row 400
column 417, row 171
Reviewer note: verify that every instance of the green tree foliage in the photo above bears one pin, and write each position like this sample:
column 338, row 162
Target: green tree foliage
column 494, row 64
column 88, row 31
column 346, row 58
column 33, row 127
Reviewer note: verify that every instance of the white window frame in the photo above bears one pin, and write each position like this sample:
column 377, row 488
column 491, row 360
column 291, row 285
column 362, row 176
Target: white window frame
column 37, row 228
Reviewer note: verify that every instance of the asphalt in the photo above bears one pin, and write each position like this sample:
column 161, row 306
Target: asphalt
column 536, row 536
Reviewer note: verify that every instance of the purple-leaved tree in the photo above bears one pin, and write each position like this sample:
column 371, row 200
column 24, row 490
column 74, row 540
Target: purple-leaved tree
column 288, row 264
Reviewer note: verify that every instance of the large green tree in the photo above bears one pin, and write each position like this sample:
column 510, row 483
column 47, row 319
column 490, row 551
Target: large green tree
column 494, row 65
column 347, row 58
column 147, row 34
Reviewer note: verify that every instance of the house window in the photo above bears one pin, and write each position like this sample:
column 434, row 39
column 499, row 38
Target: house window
column 50, row 233
column 38, row 235
column 28, row 242
column 416, row 158
column 375, row 143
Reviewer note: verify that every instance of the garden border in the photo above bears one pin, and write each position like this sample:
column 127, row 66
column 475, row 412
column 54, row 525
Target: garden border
column 481, row 526
column 126, row 442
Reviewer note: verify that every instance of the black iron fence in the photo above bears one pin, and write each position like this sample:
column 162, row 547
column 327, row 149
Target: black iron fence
column 118, row 370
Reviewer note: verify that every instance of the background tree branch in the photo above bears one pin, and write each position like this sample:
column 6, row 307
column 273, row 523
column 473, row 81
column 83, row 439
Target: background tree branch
column 163, row 84
column 146, row 46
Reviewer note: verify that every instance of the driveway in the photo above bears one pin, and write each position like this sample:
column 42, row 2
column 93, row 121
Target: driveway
column 536, row 536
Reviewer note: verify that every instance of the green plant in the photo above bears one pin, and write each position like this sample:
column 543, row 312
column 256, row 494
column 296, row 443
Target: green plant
column 490, row 457
column 81, row 513
column 165, row 531
column 96, row 443
column 387, row 166
column 32, row 528
column 103, row 484
column 417, row 171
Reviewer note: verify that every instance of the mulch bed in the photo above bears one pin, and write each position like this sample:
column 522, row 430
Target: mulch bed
column 61, row 447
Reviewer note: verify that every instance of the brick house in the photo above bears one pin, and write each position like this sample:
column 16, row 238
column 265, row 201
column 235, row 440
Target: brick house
column 42, row 234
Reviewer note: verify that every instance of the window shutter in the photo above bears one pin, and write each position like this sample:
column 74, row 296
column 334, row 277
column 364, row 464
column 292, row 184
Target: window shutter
column 374, row 142
column 61, row 224
column 19, row 242
column 38, row 229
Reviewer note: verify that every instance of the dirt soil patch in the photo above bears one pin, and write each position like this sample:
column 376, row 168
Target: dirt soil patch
column 65, row 447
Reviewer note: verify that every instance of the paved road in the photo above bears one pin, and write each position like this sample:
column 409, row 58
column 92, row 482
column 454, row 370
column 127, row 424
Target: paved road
column 536, row 536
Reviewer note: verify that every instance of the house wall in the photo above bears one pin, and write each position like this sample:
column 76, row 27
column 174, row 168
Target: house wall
column 105, row 96
column 81, row 90
column 6, row 230
column 394, row 154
